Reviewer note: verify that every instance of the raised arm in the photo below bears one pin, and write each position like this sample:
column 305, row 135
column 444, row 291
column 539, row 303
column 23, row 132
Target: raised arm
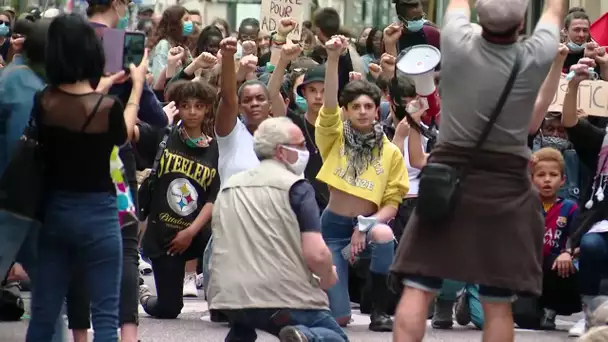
column 329, row 124
column 548, row 90
column 569, row 110
column 228, row 108
column 553, row 13
column 289, row 52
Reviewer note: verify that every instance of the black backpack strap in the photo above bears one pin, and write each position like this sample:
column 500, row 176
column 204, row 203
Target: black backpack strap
column 93, row 112
column 159, row 152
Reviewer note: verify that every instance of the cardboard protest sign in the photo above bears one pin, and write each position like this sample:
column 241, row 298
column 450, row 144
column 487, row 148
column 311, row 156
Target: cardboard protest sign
column 272, row 11
column 592, row 97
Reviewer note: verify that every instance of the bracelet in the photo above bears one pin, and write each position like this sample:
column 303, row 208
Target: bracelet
column 133, row 104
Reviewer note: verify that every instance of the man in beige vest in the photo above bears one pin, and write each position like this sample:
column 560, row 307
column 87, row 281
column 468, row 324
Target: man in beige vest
column 269, row 265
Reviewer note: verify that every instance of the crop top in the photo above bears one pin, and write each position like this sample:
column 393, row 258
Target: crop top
column 384, row 183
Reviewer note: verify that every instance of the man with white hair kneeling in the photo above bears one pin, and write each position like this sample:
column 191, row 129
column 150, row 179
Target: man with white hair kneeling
column 270, row 265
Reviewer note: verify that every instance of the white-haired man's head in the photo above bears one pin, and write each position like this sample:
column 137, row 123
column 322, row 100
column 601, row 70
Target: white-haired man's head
column 280, row 139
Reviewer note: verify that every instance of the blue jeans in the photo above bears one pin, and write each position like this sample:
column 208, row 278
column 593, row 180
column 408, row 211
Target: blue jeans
column 593, row 262
column 434, row 285
column 337, row 231
column 83, row 225
column 18, row 241
column 450, row 290
column 316, row 325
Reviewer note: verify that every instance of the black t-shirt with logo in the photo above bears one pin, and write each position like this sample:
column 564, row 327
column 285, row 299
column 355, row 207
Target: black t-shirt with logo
column 187, row 180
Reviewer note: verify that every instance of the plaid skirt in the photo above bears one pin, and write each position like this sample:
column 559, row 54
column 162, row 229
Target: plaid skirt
column 495, row 235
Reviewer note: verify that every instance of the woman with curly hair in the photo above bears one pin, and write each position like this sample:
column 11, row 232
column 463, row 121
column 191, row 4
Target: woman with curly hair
column 174, row 29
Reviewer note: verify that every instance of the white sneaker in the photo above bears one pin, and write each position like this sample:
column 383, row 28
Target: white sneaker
column 200, row 280
column 578, row 329
column 190, row 289
column 144, row 267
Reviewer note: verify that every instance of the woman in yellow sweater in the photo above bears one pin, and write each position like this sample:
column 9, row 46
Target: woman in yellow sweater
column 367, row 179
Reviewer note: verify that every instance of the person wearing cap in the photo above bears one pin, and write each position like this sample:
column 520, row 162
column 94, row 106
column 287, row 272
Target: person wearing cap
column 145, row 13
column 311, row 90
column 496, row 211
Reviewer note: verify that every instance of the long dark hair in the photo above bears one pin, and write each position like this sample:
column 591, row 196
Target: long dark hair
column 170, row 28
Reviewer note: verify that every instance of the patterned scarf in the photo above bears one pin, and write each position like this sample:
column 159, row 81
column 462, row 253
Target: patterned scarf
column 202, row 141
column 601, row 175
column 359, row 148
column 126, row 208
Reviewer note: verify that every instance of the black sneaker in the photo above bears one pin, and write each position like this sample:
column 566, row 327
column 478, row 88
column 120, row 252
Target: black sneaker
column 291, row 334
column 463, row 313
column 442, row 317
column 380, row 322
column 548, row 320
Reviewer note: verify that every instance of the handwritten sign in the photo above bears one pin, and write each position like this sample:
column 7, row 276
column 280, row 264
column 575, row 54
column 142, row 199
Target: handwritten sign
column 272, row 11
column 592, row 97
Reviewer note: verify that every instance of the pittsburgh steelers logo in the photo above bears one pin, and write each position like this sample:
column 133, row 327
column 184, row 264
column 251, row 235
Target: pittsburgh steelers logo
column 182, row 197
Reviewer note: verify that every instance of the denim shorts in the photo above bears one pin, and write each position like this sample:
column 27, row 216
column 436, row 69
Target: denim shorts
column 434, row 285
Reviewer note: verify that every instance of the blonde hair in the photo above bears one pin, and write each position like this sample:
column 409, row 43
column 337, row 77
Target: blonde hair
column 548, row 154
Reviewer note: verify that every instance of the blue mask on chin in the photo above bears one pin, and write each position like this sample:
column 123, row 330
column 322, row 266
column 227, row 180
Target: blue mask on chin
column 415, row 25
column 301, row 103
column 575, row 47
column 123, row 23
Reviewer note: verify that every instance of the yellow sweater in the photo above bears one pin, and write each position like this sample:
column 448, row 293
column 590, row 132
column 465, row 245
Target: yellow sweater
column 383, row 183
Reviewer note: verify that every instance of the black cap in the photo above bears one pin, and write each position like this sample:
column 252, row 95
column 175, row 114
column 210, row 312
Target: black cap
column 316, row 74
column 145, row 9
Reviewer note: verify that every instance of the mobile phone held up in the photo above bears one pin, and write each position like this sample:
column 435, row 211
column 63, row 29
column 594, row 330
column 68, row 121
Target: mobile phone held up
column 121, row 48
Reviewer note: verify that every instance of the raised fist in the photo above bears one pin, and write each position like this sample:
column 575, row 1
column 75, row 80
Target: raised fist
column 354, row 76
column 336, row 46
column 248, row 63
column 206, row 60
column 249, row 48
column 176, row 55
column 228, row 47
column 286, row 25
column 375, row 70
column 392, row 33
column 290, row 52
column 387, row 62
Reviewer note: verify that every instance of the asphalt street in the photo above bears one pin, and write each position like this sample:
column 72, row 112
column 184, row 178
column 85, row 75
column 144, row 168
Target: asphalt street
column 193, row 325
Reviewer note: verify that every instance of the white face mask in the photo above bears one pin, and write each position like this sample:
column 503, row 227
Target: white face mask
column 299, row 165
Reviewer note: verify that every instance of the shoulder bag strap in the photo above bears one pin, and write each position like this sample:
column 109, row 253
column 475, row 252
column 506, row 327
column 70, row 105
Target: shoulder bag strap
column 494, row 116
column 93, row 112
column 159, row 152
column 501, row 101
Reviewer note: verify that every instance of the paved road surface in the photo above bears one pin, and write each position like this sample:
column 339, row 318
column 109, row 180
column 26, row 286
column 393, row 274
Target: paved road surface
column 193, row 325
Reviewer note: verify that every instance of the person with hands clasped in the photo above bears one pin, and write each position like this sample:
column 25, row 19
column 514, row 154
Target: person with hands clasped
column 591, row 234
column 367, row 180
column 560, row 294
column 80, row 126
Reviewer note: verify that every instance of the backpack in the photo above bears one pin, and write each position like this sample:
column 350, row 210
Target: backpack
column 11, row 303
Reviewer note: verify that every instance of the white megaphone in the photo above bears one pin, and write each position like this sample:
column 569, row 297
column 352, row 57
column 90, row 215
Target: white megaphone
column 418, row 63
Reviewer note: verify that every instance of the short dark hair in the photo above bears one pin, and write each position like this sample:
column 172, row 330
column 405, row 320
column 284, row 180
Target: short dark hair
column 249, row 22
column 194, row 12
column 576, row 9
column 575, row 15
column 402, row 85
column 68, row 33
column 35, row 43
column 252, row 83
column 327, row 20
column 353, row 90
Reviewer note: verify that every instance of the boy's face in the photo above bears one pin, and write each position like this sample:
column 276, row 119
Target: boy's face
column 362, row 113
column 313, row 93
column 548, row 178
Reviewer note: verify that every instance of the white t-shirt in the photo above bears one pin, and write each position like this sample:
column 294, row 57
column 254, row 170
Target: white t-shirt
column 412, row 172
column 236, row 152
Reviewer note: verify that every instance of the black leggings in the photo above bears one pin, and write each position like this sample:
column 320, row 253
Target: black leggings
column 78, row 302
column 169, row 278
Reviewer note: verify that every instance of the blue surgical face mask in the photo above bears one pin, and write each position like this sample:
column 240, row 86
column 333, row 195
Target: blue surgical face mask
column 575, row 47
column 187, row 28
column 301, row 103
column 415, row 25
column 4, row 30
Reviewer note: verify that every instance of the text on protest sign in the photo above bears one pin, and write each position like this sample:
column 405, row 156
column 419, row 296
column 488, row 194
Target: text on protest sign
column 272, row 11
column 592, row 97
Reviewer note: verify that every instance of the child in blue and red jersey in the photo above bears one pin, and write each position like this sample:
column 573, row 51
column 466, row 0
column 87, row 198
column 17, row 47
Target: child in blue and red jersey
column 560, row 290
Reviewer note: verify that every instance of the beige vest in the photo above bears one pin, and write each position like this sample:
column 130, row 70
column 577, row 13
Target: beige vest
column 256, row 258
